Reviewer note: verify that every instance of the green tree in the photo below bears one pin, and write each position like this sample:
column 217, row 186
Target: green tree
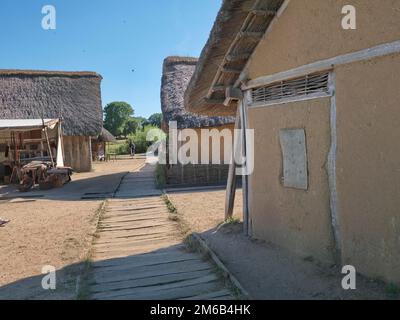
column 131, row 126
column 141, row 121
column 116, row 116
column 155, row 120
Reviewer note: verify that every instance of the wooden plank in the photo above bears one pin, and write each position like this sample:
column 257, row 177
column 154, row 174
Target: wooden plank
column 132, row 208
column 133, row 218
column 149, row 271
column 136, row 225
column 157, row 291
column 127, row 252
column 172, row 294
column 126, row 264
column 133, row 243
column 135, row 233
column 135, row 222
column 129, row 214
column 161, row 255
column 104, row 240
column 137, row 245
column 150, row 281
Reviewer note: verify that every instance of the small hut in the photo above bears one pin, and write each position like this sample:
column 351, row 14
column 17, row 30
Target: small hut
column 99, row 145
column 177, row 72
column 74, row 97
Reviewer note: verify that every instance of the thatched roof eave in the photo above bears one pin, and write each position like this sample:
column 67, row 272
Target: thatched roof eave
column 239, row 27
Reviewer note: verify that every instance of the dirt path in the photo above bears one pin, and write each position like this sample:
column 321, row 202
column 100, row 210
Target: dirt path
column 139, row 253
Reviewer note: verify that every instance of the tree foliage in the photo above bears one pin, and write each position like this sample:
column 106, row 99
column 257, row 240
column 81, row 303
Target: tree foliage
column 131, row 126
column 155, row 120
column 117, row 114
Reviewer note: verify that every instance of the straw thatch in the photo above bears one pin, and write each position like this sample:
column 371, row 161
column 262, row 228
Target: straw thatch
column 73, row 96
column 177, row 72
column 106, row 136
column 239, row 27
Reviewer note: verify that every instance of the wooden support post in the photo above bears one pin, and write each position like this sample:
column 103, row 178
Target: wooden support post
column 243, row 125
column 231, row 184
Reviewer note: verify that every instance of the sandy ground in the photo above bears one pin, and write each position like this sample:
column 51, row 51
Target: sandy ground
column 269, row 272
column 266, row 271
column 204, row 210
column 55, row 229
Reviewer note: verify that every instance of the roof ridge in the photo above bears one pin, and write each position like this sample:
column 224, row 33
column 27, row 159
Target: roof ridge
column 12, row 72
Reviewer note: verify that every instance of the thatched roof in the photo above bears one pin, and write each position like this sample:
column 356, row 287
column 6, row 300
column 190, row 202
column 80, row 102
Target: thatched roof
column 239, row 27
column 74, row 96
column 106, row 136
column 177, row 72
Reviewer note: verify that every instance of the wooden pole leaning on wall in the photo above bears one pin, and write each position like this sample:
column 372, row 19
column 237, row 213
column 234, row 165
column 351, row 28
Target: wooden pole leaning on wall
column 231, row 184
column 48, row 143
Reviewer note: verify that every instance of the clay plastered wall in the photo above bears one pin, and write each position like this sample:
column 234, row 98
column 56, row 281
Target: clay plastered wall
column 296, row 219
column 310, row 30
column 368, row 165
column 77, row 153
column 221, row 151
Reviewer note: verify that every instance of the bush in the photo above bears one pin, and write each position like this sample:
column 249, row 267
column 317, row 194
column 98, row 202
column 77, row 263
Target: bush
column 140, row 139
column 119, row 148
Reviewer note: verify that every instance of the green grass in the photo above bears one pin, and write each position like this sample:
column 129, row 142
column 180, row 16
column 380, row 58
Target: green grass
column 232, row 221
column 170, row 205
column 120, row 147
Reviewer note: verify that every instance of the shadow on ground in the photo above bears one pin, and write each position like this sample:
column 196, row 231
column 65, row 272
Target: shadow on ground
column 163, row 281
column 269, row 272
column 264, row 270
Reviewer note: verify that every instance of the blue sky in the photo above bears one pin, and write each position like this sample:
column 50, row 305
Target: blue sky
column 111, row 37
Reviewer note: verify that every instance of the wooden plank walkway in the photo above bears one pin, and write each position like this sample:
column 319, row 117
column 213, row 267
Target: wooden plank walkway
column 139, row 253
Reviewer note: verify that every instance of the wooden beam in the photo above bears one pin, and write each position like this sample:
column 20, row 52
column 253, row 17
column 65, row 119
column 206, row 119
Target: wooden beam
column 250, row 34
column 219, row 88
column 231, row 70
column 231, row 184
column 245, row 178
column 245, row 24
column 264, row 13
column 322, row 65
column 239, row 56
column 232, row 94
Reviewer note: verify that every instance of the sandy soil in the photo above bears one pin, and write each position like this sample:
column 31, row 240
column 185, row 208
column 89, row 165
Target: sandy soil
column 204, row 210
column 43, row 233
column 53, row 230
column 269, row 272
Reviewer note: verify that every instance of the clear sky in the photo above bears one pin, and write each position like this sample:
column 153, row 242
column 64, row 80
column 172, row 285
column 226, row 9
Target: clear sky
column 111, row 37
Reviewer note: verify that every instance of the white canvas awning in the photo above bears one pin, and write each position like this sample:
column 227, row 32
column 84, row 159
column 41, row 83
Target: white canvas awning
column 27, row 124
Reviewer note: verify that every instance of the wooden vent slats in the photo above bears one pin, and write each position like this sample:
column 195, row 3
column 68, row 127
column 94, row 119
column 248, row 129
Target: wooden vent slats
column 304, row 86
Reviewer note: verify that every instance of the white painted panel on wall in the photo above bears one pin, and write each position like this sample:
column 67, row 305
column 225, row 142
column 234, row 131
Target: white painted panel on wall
column 293, row 144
